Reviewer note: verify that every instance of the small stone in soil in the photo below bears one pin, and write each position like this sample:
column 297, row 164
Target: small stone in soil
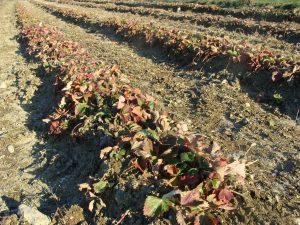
column 11, row 149
column 32, row 216
column 297, row 221
column 3, row 86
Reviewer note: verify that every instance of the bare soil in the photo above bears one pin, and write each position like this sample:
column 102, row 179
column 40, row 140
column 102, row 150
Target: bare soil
column 287, row 31
column 235, row 35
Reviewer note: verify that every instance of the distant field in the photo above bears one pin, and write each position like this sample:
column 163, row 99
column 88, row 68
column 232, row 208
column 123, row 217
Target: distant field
column 279, row 3
column 265, row 1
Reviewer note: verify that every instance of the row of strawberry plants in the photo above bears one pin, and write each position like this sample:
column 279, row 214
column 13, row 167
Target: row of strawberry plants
column 287, row 31
column 198, row 48
column 276, row 15
column 198, row 179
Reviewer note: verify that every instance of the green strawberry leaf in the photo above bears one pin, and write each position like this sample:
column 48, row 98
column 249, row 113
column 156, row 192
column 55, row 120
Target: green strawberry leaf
column 100, row 186
column 155, row 206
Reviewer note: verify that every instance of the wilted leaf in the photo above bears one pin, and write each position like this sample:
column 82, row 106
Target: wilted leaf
column 144, row 149
column 54, row 128
column 91, row 205
column 137, row 111
column 136, row 144
column 171, row 169
column 62, row 102
column 115, row 69
column 164, row 122
column 238, row 169
column 84, row 186
column 214, row 49
column 121, row 102
column 226, row 207
column 140, row 164
column 182, row 127
column 190, row 198
column 68, row 86
column 276, row 76
column 211, row 198
column 197, row 220
column 206, row 219
column 180, row 218
column 225, row 195
column 220, row 166
column 104, row 151
column 147, row 145
column 187, row 180
column 83, row 88
column 55, row 124
column 195, row 142
column 214, row 148
column 155, row 206
column 46, row 120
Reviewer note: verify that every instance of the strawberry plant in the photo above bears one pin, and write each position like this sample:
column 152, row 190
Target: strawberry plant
column 94, row 102
column 194, row 49
column 257, row 13
column 248, row 25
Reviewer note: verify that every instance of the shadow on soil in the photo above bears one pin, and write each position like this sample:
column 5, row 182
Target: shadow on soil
column 291, row 38
column 12, row 206
column 154, row 53
column 259, row 86
column 66, row 164
column 58, row 161
column 63, row 165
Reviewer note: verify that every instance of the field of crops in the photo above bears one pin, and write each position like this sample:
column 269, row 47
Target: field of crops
column 149, row 113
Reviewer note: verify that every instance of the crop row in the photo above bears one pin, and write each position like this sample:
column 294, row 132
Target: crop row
column 269, row 14
column 196, row 48
column 288, row 31
column 194, row 178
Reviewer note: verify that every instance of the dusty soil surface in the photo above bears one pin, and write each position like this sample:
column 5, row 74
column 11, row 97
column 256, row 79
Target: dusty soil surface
column 235, row 36
column 17, row 140
column 227, row 22
column 35, row 169
column 240, row 115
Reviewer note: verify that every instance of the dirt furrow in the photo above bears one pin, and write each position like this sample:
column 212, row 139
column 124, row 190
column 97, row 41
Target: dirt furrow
column 235, row 36
column 35, row 170
column 17, row 84
column 286, row 31
column 135, row 62
column 259, row 13
column 218, row 106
